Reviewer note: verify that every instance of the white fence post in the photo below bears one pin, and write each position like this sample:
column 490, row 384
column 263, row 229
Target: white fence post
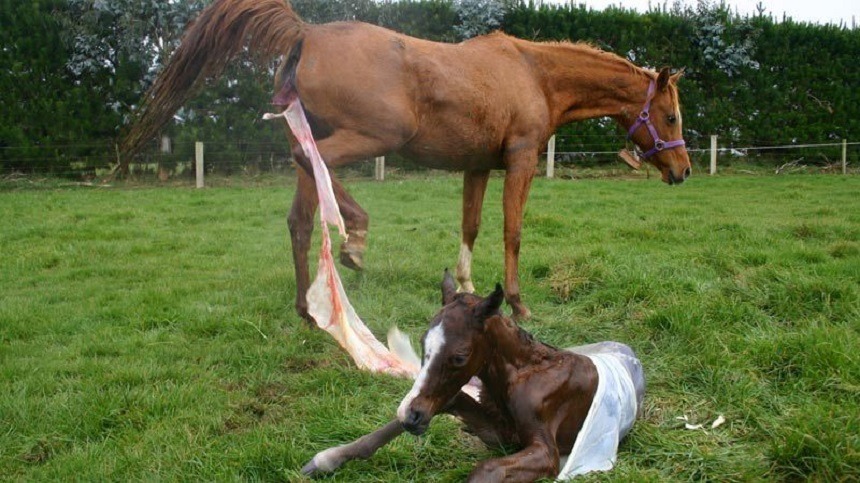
column 550, row 157
column 198, row 157
column 166, row 145
column 713, row 154
column 379, row 172
column 844, row 156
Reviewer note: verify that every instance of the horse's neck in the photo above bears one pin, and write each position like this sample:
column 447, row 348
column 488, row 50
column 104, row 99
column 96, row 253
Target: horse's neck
column 513, row 349
column 582, row 82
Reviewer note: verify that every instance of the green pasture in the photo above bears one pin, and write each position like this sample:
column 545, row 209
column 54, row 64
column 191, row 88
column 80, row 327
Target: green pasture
column 149, row 334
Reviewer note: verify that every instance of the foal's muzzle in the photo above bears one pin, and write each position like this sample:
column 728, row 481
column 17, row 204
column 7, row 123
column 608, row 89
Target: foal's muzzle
column 416, row 422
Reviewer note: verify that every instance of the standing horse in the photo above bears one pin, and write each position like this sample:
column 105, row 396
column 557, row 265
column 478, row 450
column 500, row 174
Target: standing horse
column 491, row 102
column 547, row 402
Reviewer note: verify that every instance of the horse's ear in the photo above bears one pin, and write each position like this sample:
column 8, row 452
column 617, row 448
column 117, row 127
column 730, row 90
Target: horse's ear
column 449, row 288
column 663, row 79
column 490, row 305
column 677, row 76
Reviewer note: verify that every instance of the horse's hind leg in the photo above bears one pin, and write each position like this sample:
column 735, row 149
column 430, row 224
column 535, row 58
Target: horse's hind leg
column 300, row 221
column 364, row 447
column 474, row 187
column 340, row 148
column 301, row 226
column 356, row 221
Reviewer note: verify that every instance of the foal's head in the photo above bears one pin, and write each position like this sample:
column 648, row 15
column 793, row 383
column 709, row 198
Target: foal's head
column 455, row 349
column 655, row 127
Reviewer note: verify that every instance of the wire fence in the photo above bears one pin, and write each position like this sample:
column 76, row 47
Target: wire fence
column 574, row 156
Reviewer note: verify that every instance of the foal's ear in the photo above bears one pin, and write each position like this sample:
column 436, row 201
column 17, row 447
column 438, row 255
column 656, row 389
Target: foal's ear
column 490, row 305
column 449, row 288
column 663, row 79
column 677, row 76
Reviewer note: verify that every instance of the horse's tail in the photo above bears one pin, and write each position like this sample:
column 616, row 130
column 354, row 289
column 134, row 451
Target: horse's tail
column 268, row 28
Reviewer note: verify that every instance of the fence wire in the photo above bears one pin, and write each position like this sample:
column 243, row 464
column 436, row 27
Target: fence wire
column 93, row 161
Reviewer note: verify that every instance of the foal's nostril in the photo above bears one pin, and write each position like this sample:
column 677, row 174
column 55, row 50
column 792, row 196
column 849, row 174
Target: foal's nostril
column 687, row 172
column 413, row 419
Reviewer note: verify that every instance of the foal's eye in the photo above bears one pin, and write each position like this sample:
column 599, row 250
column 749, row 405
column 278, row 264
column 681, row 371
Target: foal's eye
column 459, row 360
column 672, row 119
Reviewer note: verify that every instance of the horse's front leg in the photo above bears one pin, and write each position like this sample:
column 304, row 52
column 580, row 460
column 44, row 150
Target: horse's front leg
column 363, row 448
column 537, row 460
column 521, row 165
column 474, row 187
column 483, row 419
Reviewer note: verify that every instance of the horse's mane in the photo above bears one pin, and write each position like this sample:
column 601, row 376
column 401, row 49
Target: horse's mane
column 590, row 49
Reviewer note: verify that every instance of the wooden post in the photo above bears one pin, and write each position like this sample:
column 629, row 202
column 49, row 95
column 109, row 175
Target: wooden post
column 379, row 172
column 198, row 157
column 844, row 156
column 550, row 157
column 713, row 154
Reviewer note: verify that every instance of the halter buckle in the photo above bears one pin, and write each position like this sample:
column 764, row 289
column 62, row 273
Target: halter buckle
column 659, row 145
column 644, row 115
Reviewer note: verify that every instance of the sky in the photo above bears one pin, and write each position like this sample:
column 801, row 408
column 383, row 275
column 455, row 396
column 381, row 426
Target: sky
column 814, row 11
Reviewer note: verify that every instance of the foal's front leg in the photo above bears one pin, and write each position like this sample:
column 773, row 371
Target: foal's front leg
column 364, row 447
column 537, row 460
column 462, row 406
column 486, row 421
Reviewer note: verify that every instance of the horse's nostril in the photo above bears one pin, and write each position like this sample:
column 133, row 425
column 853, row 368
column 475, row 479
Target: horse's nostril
column 687, row 172
column 414, row 418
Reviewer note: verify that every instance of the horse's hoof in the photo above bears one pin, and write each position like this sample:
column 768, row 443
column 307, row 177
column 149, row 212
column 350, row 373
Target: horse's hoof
column 521, row 312
column 306, row 316
column 352, row 258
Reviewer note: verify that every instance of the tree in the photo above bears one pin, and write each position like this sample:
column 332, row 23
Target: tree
column 478, row 17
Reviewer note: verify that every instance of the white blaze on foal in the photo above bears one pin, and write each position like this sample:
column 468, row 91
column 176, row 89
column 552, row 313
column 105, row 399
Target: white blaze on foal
column 433, row 343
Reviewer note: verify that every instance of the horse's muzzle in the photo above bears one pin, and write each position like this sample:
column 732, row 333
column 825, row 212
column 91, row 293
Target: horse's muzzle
column 416, row 422
column 671, row 179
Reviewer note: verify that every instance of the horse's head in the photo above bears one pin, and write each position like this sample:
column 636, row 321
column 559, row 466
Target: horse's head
column 454, row 350
column 656, row 129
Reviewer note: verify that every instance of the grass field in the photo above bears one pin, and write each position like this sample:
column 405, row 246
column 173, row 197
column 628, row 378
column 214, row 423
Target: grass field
column 148, row 333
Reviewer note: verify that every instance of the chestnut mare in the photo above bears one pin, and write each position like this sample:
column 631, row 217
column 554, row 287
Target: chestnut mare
column 491, row 102
column 533, row 397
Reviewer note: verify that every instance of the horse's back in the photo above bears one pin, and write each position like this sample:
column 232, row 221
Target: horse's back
column 446, row 105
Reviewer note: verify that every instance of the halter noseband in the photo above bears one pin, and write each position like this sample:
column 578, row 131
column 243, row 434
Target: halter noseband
column 645, row 118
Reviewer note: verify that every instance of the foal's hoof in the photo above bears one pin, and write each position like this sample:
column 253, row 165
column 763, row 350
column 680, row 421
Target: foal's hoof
column 311, row 469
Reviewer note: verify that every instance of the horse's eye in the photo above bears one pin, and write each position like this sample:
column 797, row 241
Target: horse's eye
column 459, row 360
column 672, row 119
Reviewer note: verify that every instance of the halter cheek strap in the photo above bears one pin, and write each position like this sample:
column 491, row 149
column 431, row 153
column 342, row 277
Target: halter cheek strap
column 645, row 118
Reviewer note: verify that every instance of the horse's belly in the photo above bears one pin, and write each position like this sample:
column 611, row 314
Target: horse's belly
column 452, row 156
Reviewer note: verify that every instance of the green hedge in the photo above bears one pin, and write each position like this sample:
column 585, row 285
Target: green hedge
column 798, row 83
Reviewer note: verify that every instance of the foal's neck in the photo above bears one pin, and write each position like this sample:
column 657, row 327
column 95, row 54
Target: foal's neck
column 582, row 82
column 513, row 349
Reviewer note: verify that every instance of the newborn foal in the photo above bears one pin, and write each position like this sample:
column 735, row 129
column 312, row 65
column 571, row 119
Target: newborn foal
column 533, row 396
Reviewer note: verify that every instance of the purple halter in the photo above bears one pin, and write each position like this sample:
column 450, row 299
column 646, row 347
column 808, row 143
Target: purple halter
column 645, row 118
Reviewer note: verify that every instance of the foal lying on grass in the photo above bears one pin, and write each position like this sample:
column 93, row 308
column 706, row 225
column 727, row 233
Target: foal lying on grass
column 573, row 404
